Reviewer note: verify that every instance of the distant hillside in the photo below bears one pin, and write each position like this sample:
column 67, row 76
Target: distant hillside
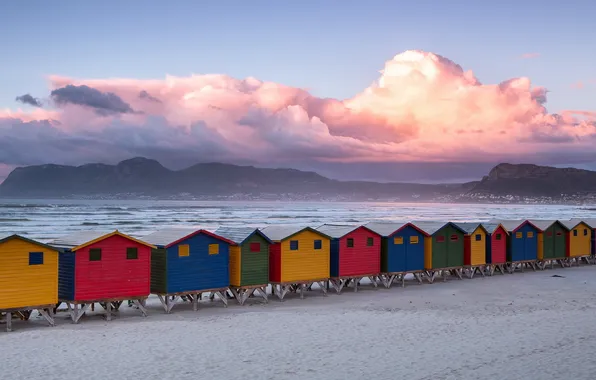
column 141, row 177
column 536, row 181
column 147, row 177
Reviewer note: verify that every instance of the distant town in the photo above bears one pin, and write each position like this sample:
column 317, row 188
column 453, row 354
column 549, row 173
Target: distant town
column 568, row 199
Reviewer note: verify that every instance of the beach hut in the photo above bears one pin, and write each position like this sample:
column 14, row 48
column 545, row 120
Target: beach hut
column 552, row 242
column 355, row 253
column 496, row 247
column 298, row 258
column 103, row 267
column 402, row 251
column 579, row 241
column 592, row 224
column 28, row 278
column 522, row 244
column 187, row 262
column 474, row 247
column 249, row 261
column 444, row 249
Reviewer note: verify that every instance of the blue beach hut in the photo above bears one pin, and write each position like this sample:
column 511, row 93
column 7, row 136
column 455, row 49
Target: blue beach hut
column 189, row 262
column 402, row 249
column 522, row 241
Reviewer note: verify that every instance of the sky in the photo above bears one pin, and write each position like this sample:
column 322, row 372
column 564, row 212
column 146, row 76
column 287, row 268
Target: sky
column 425, row 91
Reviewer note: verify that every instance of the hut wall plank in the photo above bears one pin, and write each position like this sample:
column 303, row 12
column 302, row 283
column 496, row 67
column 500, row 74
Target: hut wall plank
column 23, row 285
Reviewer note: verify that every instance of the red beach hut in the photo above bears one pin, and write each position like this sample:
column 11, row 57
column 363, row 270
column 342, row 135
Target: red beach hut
column 496, row 247
column 355, row 254
column 107, row 268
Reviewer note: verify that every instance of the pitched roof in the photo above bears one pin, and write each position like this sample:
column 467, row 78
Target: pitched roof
column 280, row 232
column 572, row 223
column 82, row 239
column 470, row 227
column 168, row 237
column 512, row 225
column 5, row 238
column 337, row 231
column 543, row 224
column 386, row 229
column 492, row 227
column 239, row 234
column 77, row 238
column 430, row 227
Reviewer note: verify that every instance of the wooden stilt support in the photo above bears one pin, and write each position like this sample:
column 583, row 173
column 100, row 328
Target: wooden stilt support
column 387, row 279
column 167, row 302
column 472, row 270
column 243, row 293
column 76, row 310
column 499, row 268
column 48, row 315
column 141, row 305
column 339, row 283
column 9, row 321
column 432, row 275
column 282, row 289
column 24, row 314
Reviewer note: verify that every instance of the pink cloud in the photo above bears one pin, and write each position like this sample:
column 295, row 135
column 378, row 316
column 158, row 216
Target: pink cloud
column 530, row 55
column 578, row 85
column 423, row 107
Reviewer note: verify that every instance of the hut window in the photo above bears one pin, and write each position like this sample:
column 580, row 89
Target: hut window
column 499, row 236
column 549, row 233
column 478, row 237
column 370, row 242
column 95, row 254
column 574, row 232
column 453, row 237
column 519, row 235
column 319, row 244
column 293, row 245
column 213, row 249
column 440, row 239
column 350, row 243
column 132, row 253
column 398, row 240
column 255, row 247
column 531, row 234
column 413, row 239
column 183, row 250
column 35, row 258
column 585, row 232
column 559, row 233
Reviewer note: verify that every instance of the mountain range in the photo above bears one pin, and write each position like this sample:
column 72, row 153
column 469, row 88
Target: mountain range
column 142, row 177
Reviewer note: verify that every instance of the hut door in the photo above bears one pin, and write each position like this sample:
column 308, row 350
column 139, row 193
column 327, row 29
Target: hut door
column 399, row 261
column 414, row 253
column 548, row 243
column 559, row 244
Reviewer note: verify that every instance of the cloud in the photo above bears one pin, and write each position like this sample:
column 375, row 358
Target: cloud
column 530, row 55
column 28, row 99
column 422, row 108
column 145, row 95
column 103, row 103
column 578, row 85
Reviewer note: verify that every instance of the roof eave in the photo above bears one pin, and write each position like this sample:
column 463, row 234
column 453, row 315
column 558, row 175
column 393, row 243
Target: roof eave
column 198, row 232
column 107, row 236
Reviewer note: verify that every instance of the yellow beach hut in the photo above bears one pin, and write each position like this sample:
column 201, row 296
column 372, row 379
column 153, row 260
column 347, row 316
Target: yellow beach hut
column 28, row 278
column 580, row 240
column 298, row 258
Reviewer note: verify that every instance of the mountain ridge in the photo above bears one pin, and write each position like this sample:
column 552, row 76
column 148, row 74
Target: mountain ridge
column 143, row 177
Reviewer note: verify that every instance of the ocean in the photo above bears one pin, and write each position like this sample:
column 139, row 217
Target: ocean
column 47, row 219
